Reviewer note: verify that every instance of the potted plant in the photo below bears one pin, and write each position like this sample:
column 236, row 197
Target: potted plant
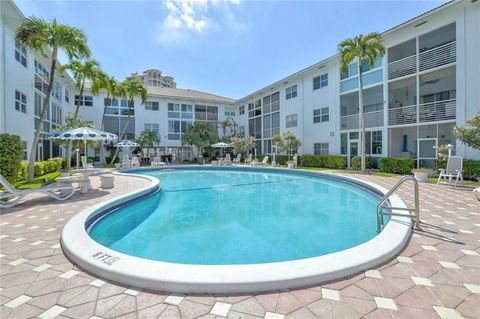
column 421, row 174
column 290, row 164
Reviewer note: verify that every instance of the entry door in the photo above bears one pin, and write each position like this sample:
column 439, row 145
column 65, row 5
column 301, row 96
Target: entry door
column 427, row 151
column 353, row 151
column 40, row 151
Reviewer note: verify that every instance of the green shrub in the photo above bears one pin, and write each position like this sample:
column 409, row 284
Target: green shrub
column 471, row 169
column 23, row 171
column 357, row 164
column 327, row 161
column 11, row 156
column 45, row 167
column 60, row 161
column 396, row 165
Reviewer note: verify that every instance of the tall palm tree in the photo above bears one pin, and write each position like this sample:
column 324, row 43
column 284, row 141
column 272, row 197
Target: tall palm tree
column 48, row 38
column 113, row 90
column 224, row 125
column 362, row 48
column 149, row 139
column 129, row 89
column 83, row 71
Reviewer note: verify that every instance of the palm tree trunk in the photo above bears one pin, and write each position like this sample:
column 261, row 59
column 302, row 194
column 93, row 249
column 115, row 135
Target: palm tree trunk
column 46, row 105
column 361, row 119
column 77, row 109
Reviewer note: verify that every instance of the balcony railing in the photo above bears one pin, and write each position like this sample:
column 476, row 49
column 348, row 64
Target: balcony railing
column 402, row 67
column 372, row 119
column 441, row 55
column 428, row 112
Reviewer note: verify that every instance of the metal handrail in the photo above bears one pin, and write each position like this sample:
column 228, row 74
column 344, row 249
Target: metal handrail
column 384, row 199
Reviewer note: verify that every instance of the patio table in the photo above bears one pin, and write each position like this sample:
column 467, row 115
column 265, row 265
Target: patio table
column 85, row 183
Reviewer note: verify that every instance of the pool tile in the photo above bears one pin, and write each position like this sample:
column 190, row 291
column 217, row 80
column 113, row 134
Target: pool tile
column 42, row 267
column 404, row 259
column 450, row 265
column 473, row 288
column 220, row 309
column 69, row 274
column 428, row 247
column 330, row 294
column 132, row 291
column 373, row 274
column 419, row 281
column 447, row 313
column 18, row 262
column 469, row 252
column 272, row 315
column 174, row 300
column 14, row 303
column 52, row 312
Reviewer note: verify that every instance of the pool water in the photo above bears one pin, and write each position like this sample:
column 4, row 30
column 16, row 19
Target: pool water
column 219, row 217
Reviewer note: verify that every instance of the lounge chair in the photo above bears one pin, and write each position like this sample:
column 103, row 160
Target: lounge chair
column 264, row 162
column 228, row 160
column 125, row 162
column 248, row 160
column 135, row 162
column 237, row 159
column 11, row 196
column 157, row 161
column 454, row 170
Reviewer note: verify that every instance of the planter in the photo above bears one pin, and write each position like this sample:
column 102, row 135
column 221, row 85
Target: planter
column 476, row 193
column 290, row 165
column 421, row 176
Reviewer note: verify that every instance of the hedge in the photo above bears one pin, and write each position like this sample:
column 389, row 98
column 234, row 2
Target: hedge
column 279, row 159
column 327, row 161
column 60, row 161
column 11, row 155
column 396, row 165
column 356, row 163
column 40, row 168
column 471, row 168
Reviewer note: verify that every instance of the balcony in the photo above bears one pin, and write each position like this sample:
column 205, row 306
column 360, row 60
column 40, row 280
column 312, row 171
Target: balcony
column 424, row 113
column 438, row 56
column 372, row 119
column 402, row 67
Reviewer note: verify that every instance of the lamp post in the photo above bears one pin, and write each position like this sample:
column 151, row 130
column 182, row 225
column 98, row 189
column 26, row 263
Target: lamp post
column 449, row 148
column 274, row 151
column 78, row 158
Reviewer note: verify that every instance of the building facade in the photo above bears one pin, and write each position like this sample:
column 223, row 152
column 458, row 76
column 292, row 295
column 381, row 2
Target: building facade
column 154, row 77
column 426, row 83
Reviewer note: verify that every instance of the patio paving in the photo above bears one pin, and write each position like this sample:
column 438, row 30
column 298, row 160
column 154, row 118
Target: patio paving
column 437, row 275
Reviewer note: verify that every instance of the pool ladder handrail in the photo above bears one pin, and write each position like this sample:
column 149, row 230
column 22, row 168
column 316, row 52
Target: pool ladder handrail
column 416, row 209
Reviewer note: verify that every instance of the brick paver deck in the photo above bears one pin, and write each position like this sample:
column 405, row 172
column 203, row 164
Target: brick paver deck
column 436, row 276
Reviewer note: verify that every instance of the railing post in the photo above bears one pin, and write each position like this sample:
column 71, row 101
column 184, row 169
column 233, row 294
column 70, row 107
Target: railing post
column 417, row 203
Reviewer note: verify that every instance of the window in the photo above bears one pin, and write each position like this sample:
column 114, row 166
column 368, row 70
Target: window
column 20, row 102
column 87, row 100
column 174, row 130
column 343, row 143
column 320, row 148
column 229, row 111
column 67, row 96
column 151, row 106
column 321, row 115
column 57, row 90
column 241, row 130
column 291, row 92
column 320, row 81
column 152, row 127
column 373, row 143
column 21, row 54
column 25, row 152
column 291, row 120
column 352, row 70
column 241, row 110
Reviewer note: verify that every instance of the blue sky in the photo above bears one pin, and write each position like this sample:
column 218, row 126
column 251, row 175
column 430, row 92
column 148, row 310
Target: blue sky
column 230, row 48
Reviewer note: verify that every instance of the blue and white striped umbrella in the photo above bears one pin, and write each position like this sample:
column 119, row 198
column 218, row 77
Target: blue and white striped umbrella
column 85, row 134
column 127, row 143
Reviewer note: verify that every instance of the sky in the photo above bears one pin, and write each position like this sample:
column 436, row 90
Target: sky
column 230, row 48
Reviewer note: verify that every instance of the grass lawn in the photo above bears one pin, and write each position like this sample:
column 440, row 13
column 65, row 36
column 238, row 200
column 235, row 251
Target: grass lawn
column 315, row 168
column 38, row 181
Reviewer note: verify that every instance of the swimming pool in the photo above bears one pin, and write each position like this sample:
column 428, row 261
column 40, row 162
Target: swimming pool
column 206, row 229
column 222, row 217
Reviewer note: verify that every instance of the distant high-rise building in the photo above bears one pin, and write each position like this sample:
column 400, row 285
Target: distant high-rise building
column 154, row 77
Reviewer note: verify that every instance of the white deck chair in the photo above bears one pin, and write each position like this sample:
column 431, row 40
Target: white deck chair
column 454, row 170
column 157, row 161
column 237, row 159
column 54, row 191
column 135, row 162
column 228, row 160
column 125, row 162
column 264, row 162
column 248, row 160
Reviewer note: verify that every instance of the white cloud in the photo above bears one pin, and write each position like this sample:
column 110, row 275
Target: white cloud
column 187, row 19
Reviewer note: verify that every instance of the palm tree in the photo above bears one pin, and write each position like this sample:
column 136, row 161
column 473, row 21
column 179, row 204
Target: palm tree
column 200, row 135
column 113, row 90
column 362, row 48
column 148, row 138
column 129, row 89
column 47, row 38
column 83, row 71
column 224, row 125
column 234, row 126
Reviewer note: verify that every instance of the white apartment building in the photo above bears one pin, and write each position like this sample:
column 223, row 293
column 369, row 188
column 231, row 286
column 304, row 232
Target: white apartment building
column 426, row 83
column 154, row 77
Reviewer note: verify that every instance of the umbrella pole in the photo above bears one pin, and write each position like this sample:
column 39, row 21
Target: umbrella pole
column 85, row 150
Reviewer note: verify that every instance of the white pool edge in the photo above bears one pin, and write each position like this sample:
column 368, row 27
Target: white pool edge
column 80, row 248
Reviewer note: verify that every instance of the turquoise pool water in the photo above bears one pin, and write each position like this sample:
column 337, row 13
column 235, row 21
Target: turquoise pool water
column 218, row 217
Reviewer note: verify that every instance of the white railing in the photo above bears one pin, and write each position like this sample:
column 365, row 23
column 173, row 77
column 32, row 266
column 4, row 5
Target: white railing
column 427, row 112
column 402, row 67
column 441, row 55
column 437, row 111
column 372, row 119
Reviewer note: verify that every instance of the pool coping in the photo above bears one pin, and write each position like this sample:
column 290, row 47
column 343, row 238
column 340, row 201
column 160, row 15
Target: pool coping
column 246, row 278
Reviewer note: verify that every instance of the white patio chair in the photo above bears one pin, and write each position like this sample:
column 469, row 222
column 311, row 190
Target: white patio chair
column 135, row 162
column 228, row 160
column 10, row 196
column 264, row 162
column 248, row 160
column 157, row 161
column 125, row 162
column 237, row 159
column 454, row 170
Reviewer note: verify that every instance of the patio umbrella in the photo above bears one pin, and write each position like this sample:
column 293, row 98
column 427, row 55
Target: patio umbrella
column 127, row 144
column 220, row 145
column 85, row 134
